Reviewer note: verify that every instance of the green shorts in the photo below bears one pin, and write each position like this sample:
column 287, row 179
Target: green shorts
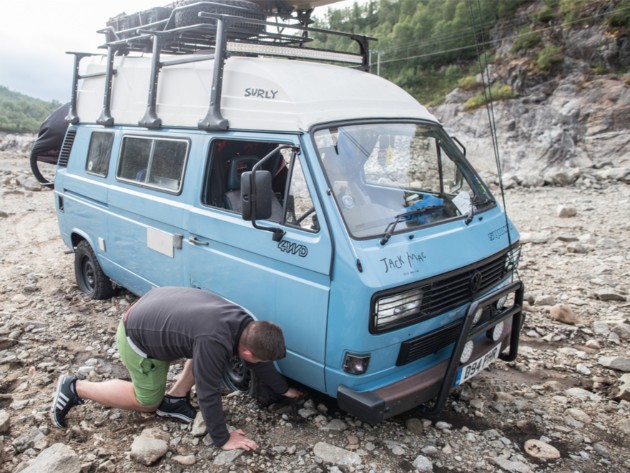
column 147, row 375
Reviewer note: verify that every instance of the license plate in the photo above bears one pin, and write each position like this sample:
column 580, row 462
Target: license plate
column 480, row 364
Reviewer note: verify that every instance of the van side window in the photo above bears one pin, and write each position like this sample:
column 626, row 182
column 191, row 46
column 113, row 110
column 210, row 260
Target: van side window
column 99, row 153
column 291, row 199
column 300, row 208
column 152, row 162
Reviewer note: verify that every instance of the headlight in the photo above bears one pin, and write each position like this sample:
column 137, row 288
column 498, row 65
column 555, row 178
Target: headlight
column 394, row 309
column 467, row 351
column 512, row 258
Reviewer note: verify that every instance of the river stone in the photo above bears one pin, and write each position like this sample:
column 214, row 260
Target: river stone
column 57, row 458
column 564, row 211
column 563, row 313
column 5, row 421
column 199, row 428
column 541, row 450
column 623, row 330
column 227, row 457
column 148, row 450
column 609, row 294
column 187, row 460
column 338, row 456
column 618, row 363
column 512, row 466
column 578, row 414
column 423, row 464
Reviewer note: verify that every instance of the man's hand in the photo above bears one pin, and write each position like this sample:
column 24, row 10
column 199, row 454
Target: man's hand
column 238, row 439
column 293, row 393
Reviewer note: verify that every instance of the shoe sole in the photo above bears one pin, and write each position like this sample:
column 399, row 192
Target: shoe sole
column 176, row 416
column 54, row 403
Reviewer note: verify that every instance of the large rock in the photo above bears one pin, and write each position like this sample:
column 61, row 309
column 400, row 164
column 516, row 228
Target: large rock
column 618, row 363
column 335, row 455
column 541, row 450
column 57, row 458
column 149, row 447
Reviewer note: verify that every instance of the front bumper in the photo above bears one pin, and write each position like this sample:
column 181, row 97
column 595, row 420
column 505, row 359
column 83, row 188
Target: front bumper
column 436, row 382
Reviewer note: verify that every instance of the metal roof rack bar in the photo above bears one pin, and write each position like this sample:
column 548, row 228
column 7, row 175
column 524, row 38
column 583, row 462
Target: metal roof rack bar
column 214, row 120
column 224, row 35
column 150, row 118
column 284, row 51
column 72, row 116
column 106, row 118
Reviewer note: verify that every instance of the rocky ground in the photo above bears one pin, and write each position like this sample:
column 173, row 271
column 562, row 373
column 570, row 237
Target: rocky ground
column 562, row 406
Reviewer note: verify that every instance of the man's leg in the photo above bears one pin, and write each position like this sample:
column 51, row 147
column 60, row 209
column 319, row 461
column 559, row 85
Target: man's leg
column 113, row 393
column 144, row 394
column 184, row 383
column 177, row 402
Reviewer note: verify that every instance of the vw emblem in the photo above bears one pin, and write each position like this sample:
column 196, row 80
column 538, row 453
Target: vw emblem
column 475, row 282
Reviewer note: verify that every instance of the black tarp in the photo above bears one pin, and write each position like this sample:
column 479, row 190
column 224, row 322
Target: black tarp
column 51, row 135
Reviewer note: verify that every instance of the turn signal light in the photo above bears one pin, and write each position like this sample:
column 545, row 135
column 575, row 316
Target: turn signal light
column 356, row 364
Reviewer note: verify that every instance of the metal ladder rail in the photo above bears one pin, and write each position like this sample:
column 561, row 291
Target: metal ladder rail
column 72, row 117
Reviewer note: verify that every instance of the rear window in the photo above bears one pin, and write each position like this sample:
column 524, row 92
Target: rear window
column 99, row 153
column 153, row 162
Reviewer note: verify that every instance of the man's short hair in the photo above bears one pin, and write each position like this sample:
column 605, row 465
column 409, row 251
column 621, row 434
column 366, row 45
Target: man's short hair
column 265, row 340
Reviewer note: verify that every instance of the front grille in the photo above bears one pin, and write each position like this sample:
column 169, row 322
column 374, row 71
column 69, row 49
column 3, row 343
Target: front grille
column 64, row 155
column 428, row 344
column 439, row 294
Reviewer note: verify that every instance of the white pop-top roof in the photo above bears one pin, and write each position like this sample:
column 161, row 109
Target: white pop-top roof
column 258, row 94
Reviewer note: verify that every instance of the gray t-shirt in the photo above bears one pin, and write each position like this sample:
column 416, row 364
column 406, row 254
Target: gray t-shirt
column 170, row 323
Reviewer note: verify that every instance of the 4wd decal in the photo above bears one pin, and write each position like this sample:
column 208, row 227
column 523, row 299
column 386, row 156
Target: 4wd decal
column 499, row 232
column 261, row 93
column 293, row 248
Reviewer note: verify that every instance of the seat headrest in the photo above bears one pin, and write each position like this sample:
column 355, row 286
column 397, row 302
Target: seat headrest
column 238, row 165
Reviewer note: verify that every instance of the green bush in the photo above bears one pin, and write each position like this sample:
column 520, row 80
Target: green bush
column 468, row 83
column 619, row 19
column 545, row 15
column 526, row 41
column 549, row 58
column 497, row 92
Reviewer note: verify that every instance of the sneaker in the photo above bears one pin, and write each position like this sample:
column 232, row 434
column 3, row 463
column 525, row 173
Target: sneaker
column 65, row 399
column 178, row 408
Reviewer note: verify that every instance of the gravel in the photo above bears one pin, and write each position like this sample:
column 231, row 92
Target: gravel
column 563, row 405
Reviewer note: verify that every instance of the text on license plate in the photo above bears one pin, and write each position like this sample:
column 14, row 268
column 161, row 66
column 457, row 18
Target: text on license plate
column 480, row 364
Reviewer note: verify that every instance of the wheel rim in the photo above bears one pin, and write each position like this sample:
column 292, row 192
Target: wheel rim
column 237, row 376
column 88, row 274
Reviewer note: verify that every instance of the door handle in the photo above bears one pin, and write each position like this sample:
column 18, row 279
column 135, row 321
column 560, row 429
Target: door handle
column 193, row 239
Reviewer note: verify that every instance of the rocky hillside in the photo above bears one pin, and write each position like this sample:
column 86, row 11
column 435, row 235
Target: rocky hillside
column 570, row 109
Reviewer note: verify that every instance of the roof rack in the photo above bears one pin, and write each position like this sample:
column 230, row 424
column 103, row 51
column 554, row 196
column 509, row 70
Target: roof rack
column 219, row 31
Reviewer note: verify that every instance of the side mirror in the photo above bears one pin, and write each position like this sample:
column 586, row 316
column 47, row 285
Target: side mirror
column 256, row 195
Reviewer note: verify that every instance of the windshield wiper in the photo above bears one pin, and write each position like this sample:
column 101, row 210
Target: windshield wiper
column 475, row 203
column 389, row 230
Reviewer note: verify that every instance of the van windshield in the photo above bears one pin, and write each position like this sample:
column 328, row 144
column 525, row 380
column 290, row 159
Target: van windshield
column 404, row 175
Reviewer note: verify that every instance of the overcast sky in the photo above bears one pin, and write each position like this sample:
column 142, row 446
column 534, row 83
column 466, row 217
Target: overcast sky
column 35, row 35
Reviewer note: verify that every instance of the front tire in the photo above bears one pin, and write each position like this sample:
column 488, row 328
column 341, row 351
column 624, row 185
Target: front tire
column 90, row 277
column 238, row 377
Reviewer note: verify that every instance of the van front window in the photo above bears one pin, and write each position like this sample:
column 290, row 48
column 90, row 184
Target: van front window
column 401, row 175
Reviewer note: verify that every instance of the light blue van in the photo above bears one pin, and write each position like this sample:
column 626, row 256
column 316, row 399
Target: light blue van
column 318, row 196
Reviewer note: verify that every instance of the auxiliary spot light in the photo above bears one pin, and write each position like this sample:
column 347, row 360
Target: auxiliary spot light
column 496, row 332
column 467, row 352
